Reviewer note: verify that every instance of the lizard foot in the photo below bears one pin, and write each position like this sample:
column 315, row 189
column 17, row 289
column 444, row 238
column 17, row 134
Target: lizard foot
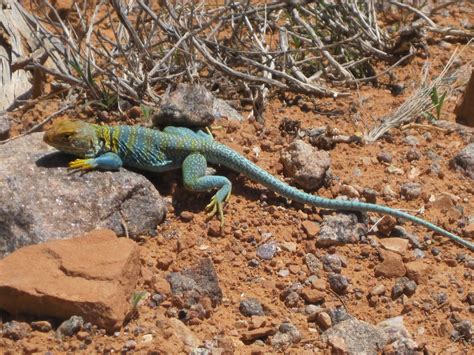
column 81, row 164
column 214, row 207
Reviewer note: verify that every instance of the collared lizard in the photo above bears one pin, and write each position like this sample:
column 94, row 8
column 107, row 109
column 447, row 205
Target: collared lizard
column 111, row 147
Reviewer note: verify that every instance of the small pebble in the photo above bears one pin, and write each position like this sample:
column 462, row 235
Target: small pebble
column 267, row 251
column 427, row 136
column 292, row 299
column 403, row 286
column 70, row 327
column 384, row 157
column 397, row 89
column 338, row 283
column 147, row 338
column 464, row 329
column 435, row 251
column 313, row 263
column 251, row 307
column 82, row 335
column 312, row 311
column 41, row 326
column 427, row 306
column 214, row 229
column 452, row 262
column 253, row 263
column 289, row 247
column 130, row 345
column 332, row 263
column 418, row 253
column 373, row 300
column 377, row 290
column 370, row 195
column 410, row 190
column 440, row 297
column 310, row 228
column 324, row 320
column 470, row 298
column 397, row 290
column 15, row 330
column 411, row 140
column 186, row 216
column 413, row 154
column 435, row 169
column 410, row 288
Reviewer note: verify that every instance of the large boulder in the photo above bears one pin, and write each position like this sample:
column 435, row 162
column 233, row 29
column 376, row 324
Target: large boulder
column 92, row 276
column 40, row 200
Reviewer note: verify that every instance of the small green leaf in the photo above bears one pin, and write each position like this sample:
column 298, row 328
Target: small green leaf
column 434, row 96
column 146, row 111
column 76, row 66
column 441, row 101
column 429, row 116
column 137, row 297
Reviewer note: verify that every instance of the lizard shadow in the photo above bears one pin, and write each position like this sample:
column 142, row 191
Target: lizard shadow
column 62, row 160
column 54, row 160
column 170, row 184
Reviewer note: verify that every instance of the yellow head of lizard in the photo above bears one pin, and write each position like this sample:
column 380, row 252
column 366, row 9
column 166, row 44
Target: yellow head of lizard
column 74, row 137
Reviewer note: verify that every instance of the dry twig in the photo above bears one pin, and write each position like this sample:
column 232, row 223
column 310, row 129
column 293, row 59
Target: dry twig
column 139, row 48
column 418, row 103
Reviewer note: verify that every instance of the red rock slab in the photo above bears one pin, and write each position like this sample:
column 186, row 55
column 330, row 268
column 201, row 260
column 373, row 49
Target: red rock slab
column 92, row 276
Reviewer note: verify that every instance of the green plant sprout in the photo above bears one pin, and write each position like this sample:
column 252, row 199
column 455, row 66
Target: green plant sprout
column 437, row 101
column 105, row 99
column 137, row 298
column 146, row 111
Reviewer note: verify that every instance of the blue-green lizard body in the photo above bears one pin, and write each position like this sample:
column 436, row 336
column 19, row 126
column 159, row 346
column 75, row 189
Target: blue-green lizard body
column 111, row 147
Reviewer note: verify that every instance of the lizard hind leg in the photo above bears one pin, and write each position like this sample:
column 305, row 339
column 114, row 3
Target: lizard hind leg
column 195, row 179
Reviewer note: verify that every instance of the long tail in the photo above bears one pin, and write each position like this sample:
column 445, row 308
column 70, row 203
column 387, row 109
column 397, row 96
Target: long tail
column 231, row 159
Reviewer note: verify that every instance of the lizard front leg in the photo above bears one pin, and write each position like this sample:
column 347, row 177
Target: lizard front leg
column 195, row 179
column 107, row 161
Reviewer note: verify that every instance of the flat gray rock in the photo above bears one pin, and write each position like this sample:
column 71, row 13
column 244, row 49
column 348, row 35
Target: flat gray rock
column 398, row 336
column 41, row 200
column 357, row 337
column 197, row 282
column 340, row 229
column 192, row 106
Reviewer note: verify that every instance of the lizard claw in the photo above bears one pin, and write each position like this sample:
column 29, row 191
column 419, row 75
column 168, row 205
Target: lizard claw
column 81, row 164
column 215, row 206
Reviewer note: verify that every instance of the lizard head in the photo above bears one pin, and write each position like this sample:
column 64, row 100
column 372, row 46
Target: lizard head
column 74, row 137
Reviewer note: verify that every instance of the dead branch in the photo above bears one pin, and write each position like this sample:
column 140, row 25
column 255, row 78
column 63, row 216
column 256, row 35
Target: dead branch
column 298, row 46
